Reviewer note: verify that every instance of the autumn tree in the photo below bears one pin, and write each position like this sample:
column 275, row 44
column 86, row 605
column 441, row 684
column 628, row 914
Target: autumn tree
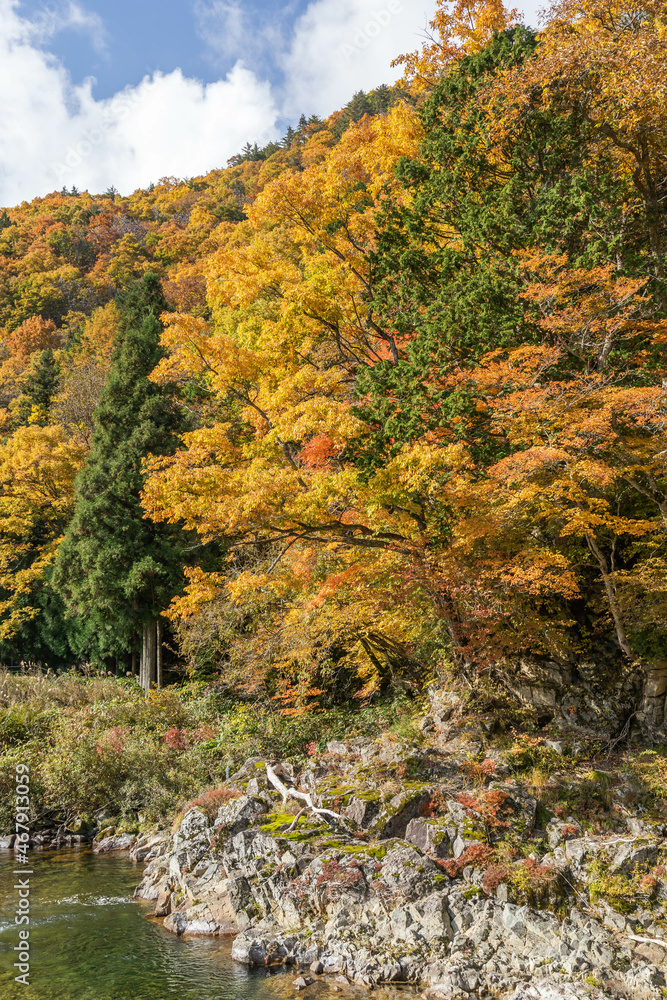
column 516, row 278
column 38, row 466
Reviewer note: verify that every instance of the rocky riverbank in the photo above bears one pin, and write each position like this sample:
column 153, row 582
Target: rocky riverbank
column 440, row 867
column 482, row 856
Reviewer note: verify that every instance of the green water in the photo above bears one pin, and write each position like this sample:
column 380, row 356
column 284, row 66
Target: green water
column 90, row 941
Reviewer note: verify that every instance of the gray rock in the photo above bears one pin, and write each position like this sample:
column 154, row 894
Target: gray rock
column 429, row 836
column 163, row 902
column 176, row 923
column 393, row 819
column 633, row 856
column 194, row 823
column 241, row 813
column 362, row 811
column 302, row 982
column 120, row 843
column 258, row 951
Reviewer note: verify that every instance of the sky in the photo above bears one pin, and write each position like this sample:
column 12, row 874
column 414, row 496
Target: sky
column 95, row 94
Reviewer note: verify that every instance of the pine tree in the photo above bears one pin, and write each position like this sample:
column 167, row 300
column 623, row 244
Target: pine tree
column 40, row 383
column 116, row 569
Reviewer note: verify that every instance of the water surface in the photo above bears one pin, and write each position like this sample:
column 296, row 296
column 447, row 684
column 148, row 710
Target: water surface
column 89, row 940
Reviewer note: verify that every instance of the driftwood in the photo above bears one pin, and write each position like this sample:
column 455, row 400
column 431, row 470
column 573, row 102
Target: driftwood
column 332, row 818
column 645, row 940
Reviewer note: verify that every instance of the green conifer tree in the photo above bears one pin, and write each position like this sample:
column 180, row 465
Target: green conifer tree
column 116, row 569
column 41, row 381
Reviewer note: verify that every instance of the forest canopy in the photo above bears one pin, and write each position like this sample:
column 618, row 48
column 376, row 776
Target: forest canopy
column 388, row 396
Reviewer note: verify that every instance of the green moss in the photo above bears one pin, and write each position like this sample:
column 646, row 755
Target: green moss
column 470, row 833
column 372, row 852
column 620, row 891
column 276, row 821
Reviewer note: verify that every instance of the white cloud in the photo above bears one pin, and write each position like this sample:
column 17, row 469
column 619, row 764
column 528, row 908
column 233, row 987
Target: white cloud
column 341, row 46
column 50, row 21
column 222, row 27
column 53, row 133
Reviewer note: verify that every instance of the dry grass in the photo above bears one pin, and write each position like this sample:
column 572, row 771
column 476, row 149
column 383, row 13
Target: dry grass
column 41, row 691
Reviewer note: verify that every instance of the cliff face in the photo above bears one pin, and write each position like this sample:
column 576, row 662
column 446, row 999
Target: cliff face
column 528, row 871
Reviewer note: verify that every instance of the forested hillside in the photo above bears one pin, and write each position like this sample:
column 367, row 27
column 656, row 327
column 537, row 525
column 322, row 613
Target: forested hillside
column 383, row 397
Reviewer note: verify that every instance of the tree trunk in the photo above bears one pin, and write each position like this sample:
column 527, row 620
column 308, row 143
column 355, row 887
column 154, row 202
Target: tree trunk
column 158, row 635
column 611, row 597
column 151, row 671
column 145, row 673
column 134, row 667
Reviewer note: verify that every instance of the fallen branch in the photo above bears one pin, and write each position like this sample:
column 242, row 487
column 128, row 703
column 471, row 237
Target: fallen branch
column 296, row 819
column 294, row 793
column 645, row 940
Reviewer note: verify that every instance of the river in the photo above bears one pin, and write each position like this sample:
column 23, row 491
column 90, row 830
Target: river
column 89, row 940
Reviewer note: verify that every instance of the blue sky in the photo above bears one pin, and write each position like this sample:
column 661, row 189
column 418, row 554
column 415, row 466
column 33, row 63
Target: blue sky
column 95, row 94
column 139, row 37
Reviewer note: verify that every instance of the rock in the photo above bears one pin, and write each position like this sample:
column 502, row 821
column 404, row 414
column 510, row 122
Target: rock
column 577, row 850
column 640, row 828
column 194, row 824
column 176, row 923
column 147, row 848
column 393, row 819
column 241, row 813
column 384, row 911
column 429, row 836
column 121, row 843
column 502, row 894
column 443, row 705
column 559, row 830
column 6, row 843
column 633, row 856
column 258, row 951
column 362, row 811
column 163, row 902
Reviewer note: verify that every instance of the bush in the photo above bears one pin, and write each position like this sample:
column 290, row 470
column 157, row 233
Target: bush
column 98, row 744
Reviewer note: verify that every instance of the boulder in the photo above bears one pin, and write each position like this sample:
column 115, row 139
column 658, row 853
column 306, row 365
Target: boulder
column 430, row 836
column 362, row 811
column 250, row 950
column 163, row 901
column 633, row 856
column 120, row 843
column 241, row 813
column 194, row 824
column 393, row 818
